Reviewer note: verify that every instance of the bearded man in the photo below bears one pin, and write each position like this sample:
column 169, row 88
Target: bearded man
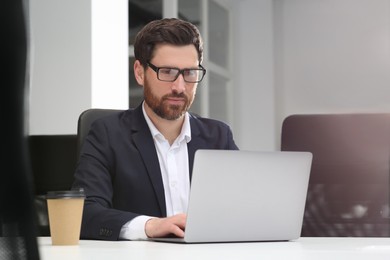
column 135, row 166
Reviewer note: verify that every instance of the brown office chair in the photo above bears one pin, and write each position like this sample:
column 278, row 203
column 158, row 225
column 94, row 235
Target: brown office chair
column 348, row 191
column 85, row 120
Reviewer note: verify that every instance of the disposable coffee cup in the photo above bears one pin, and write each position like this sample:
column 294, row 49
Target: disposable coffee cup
column 65, row 210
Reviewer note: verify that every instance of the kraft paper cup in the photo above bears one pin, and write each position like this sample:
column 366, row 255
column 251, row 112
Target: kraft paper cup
column 65, row 209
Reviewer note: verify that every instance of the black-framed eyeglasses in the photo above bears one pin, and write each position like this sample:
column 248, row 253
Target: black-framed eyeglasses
column 171, row 74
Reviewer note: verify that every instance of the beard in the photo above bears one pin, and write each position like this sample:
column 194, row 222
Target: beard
column 162, row 108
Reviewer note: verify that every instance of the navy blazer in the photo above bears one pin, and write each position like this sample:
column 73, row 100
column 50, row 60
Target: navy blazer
column 120, row 173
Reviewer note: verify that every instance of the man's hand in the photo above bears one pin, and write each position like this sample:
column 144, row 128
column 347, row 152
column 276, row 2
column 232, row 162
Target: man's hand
column 162, row 227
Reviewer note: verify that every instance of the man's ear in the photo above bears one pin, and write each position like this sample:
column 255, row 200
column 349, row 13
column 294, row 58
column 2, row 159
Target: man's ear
column 139, row 72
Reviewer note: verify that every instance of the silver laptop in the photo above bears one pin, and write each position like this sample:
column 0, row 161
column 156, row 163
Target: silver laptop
column 243, row 196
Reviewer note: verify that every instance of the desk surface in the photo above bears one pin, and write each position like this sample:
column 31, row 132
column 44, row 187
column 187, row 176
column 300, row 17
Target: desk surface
column 303, row 248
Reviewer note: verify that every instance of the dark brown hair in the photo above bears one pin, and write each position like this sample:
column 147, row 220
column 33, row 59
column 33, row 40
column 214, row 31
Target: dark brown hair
column 168, row 30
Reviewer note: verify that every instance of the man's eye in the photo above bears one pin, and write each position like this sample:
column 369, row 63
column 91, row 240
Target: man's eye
column 190, row 73
column 168, row 71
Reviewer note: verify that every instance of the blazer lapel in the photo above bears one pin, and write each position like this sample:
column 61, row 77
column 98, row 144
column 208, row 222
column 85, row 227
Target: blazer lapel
column 196, row 143
column 144, row 142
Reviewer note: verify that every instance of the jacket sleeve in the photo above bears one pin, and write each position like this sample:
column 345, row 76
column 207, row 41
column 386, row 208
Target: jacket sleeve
column 94, row 174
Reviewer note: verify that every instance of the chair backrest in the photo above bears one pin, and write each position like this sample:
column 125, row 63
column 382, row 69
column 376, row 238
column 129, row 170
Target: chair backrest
column 349, row 183
column 53, row 161
column 85, row 120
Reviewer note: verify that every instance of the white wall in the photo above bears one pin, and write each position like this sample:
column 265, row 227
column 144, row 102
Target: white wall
column 327, row 56
column 332, row 56
column 110, row 52
column 254, row 100
column 79, row 60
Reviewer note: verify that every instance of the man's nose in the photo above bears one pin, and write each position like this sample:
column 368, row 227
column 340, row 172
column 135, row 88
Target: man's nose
column 179, row 84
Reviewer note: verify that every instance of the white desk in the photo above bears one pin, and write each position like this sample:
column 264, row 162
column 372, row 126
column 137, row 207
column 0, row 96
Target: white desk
column 303, row 248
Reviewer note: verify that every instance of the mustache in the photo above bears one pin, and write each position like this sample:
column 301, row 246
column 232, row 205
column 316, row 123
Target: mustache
column 175, row 95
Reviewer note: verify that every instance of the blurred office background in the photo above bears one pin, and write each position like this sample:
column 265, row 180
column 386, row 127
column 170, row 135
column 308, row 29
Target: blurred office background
column 265, row 59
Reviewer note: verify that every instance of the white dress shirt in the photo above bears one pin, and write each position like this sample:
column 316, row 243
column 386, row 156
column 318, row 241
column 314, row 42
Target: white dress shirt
column 174, row 167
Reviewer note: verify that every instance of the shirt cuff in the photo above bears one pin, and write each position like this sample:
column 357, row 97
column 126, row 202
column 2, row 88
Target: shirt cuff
column 134, row 229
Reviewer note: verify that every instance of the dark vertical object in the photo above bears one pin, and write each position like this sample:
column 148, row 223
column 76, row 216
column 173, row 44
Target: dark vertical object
column 17, row 216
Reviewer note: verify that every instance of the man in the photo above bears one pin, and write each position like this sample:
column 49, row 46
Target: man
column 136, row 166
